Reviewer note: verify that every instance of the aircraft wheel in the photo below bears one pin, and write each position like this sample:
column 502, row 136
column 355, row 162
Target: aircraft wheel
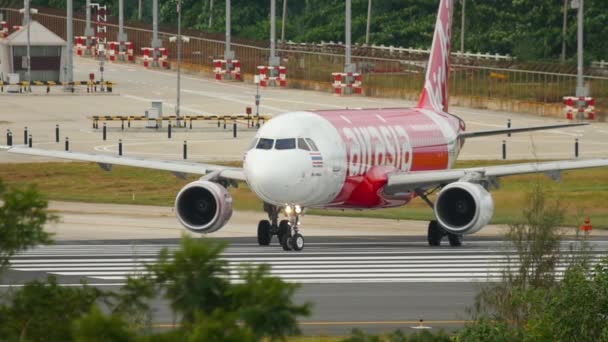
column 284, row 229
column 434, row 234
column 455, row 240
column 264, row 235
column 286, row 242
column 297, row 242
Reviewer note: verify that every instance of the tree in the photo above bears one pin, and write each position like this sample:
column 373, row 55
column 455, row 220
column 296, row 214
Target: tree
column 44, row 310
column 528, row 276
column 97, row 327
column 265, row 303
column 198, row 283
column 23, row 215
column 193, row 278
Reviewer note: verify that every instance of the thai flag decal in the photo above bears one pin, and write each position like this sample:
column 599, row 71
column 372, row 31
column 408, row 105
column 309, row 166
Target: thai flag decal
column 317, row 159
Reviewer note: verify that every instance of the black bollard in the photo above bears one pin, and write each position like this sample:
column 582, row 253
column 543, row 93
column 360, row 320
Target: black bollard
column 509, row 126
column 122, row 125
column 30, row 142
column 67, row 143
column 169, row 130
column 10, row 138
column 8, row 134
column 576, row 147
column 129, row 123
column 104, row 131
column 224, row 123
column 190, row 123
column 56, row 133
column 25, row 136
column 120, row 147
column 234, row 129
column 504, row 150
column 185, row 150
column 218, row 123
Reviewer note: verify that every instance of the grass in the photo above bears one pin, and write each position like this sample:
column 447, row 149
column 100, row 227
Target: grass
column 581, row 193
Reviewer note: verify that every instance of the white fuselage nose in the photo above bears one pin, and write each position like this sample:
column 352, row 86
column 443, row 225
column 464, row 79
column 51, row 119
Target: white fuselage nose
column 309, row 173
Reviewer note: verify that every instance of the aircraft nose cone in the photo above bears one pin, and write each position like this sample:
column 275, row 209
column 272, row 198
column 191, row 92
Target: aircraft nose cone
column 276, row 176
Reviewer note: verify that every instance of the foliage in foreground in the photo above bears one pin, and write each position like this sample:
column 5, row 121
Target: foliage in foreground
column 212, row 303
column 531, row 302
column 23, row 214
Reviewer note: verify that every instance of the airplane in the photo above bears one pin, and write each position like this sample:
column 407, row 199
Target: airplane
column 350, row 159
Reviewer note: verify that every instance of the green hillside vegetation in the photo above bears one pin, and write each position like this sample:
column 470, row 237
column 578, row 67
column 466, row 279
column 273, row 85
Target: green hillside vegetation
column 528, row 29
column 582, row 193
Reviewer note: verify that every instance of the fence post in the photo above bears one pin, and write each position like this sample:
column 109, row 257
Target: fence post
column 169, row 130
column 185, row 150
column 120, row 147
column 104, row 131
column 30, row 142
column 234, row 129
column 576, row 147
column 57, row 133
column 504, row 150
column 25, row 136
column 67, row 143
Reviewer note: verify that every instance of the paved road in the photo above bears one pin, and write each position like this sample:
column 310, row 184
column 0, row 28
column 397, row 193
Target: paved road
column 377, row 283
column 138, row 86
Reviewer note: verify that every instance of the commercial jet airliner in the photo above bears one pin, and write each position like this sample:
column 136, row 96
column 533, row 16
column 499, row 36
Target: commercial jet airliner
column 351, row 159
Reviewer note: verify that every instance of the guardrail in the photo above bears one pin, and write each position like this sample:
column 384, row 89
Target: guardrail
column 290, row 45
column 91, row 85
column 600, row 64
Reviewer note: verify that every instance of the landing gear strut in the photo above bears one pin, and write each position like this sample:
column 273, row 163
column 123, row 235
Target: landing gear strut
column 436, row 233
column 287, row 231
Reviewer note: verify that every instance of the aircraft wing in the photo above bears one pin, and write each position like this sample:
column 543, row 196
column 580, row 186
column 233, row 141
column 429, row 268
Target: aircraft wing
column 106, row 161
column 406, row 182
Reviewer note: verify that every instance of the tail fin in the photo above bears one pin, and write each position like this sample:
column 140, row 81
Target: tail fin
column 435, row 92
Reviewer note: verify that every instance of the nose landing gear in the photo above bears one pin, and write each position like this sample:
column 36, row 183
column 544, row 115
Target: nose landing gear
column 287, row 231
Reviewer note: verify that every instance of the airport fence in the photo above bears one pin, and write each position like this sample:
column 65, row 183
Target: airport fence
column 397, row 76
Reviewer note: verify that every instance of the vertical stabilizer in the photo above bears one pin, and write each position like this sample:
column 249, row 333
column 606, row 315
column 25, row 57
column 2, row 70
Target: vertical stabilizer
column 435, row 92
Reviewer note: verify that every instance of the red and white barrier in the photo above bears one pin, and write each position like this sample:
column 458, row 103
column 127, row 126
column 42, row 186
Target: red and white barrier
column 17, row 27
column 81, row 45
column 223, row 71
column 151, row 56
column 3, row 29
column 349, row 80
column 572, row 108
column 269, row 75
column 125, row 53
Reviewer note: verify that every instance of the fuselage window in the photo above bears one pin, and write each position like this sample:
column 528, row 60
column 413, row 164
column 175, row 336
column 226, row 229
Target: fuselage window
column 285, row 144
column 265, row 144
column 302, row 145
column 312, row 144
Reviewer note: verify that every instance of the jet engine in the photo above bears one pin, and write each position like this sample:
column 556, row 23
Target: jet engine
column 203, row 206
column 464, row 208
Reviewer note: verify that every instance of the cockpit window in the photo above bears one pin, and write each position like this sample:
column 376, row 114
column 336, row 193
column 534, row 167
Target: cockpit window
column 265, row 144
column 312, row 144
column 302, row 145
column 285, row 144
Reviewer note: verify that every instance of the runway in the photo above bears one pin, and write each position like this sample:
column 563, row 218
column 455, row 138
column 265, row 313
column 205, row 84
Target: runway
column 376, row 283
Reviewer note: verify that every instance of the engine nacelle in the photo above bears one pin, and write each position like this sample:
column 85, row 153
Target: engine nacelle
column 464, row 208
column 203, row 206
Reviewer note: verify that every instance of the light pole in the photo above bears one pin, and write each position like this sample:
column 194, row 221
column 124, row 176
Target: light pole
column 27, row 18
column 283, row 20
column 179, row 39
column 464, row 5
column 369, row 19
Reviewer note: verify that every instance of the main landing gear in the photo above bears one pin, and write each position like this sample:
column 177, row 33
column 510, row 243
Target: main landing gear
column 435, row 233
column 287, row 231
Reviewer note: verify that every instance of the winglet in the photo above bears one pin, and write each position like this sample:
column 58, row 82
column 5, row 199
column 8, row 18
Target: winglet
column 435, row 92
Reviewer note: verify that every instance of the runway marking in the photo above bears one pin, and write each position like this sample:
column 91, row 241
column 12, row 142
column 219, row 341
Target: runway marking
column 319, row 264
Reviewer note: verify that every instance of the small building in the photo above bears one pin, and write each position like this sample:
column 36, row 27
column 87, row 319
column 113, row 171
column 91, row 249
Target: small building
column 48, row 53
